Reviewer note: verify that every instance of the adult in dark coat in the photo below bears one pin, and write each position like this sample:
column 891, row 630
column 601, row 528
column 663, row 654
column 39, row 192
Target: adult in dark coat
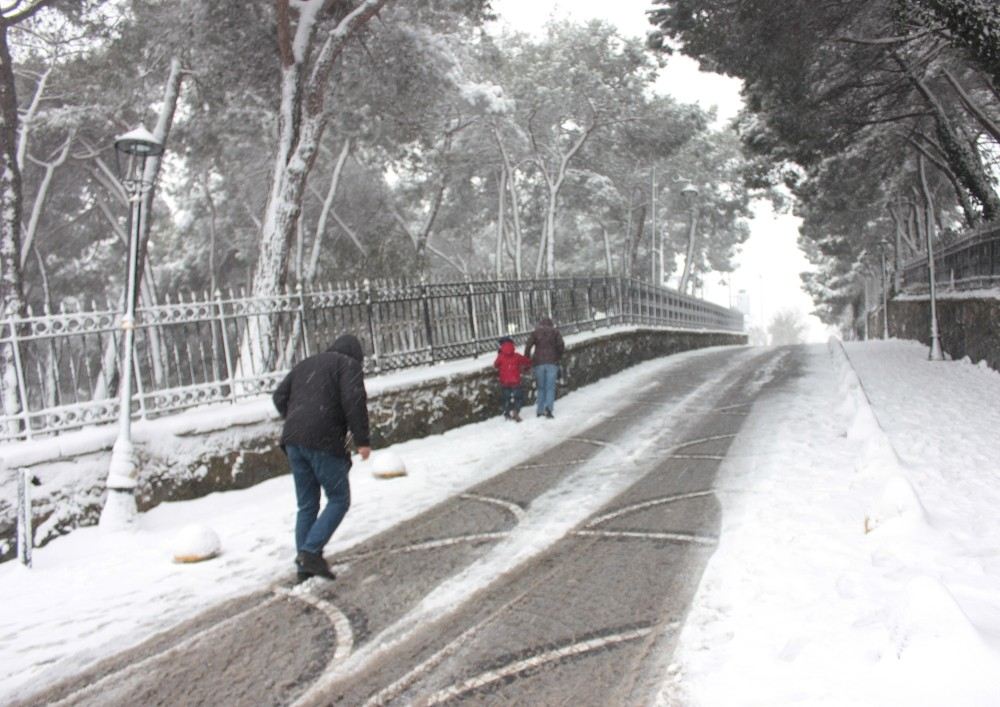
column 545, row 348
column 322, row 400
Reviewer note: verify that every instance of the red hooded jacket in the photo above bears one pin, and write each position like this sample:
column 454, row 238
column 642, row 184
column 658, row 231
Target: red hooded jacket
column 510, row 364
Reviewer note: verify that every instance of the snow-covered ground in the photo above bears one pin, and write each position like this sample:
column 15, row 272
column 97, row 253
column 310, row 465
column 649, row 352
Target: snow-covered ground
column 859, row 561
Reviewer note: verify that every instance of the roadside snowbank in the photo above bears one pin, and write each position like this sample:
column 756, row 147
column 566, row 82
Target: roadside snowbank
column 859, row 561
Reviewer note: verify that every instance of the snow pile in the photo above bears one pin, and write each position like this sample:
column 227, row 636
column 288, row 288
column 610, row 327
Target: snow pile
column 799, row 604
column 196, row 542
column 387, row 464
column 898, row 499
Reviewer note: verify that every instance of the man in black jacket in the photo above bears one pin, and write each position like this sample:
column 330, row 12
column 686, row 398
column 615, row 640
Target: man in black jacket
column 323, row 399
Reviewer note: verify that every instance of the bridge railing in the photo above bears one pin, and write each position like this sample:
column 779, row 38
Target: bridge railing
column 196, row 350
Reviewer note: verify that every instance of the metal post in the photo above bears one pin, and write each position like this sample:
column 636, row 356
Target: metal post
column 302, row 314
column 140, row 394
column 885, row 296
column 935, row 353
column 505, row 329
column 225, row 345
column 590, row 308
column 866, row 308
column 24, row 534
column 369, row 307
column 119, row 508
column 470, row 305
column 428, row 329
column 652, row 216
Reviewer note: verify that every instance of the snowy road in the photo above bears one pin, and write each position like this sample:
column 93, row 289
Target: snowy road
column 531, row 587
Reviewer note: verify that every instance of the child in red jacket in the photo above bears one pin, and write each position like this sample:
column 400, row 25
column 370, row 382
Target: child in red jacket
column 510, row 363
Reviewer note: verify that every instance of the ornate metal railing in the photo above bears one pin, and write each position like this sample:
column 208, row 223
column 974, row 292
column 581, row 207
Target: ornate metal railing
column 194, row 350
column 968, row 263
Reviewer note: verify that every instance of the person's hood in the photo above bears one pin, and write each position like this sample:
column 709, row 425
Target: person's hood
column 545, row 321
column 507, row 347
column 348, row 345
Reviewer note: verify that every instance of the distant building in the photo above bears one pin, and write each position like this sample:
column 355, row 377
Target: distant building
column 743, row 302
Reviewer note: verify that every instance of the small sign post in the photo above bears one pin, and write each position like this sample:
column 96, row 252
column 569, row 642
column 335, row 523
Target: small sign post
column 24, row 481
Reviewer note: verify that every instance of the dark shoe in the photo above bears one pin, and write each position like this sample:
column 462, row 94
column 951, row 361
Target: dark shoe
column 301, row 576
column 516, row 418
column 313, row 565
column 548, row 414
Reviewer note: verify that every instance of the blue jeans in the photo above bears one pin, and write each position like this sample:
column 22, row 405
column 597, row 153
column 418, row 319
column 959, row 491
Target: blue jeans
column 545, row 380
column 313, row 469
column 513, row 399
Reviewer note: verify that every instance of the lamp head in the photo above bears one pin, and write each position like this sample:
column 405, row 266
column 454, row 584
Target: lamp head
column 139, row 142
column 136, row 146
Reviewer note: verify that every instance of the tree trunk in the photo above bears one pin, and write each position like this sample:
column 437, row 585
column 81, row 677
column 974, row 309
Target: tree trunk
column 607, row 251
column 985, row 121
column 168, row 108
column 338, row 169
column 515, row 211
column 971, row 216
column 633, row 248
column 966, row 164
column 501, row 219
column 302, row 116
column 554, row 180
column 11, row 276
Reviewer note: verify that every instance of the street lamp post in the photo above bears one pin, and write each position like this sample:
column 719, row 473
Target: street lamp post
column 690, row 194
column 653, row 240
column 136, row 147
column 935, row 353
column 885, row 292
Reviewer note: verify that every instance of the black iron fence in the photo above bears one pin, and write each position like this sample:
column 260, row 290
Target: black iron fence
column 214, row 348
column 971, row 262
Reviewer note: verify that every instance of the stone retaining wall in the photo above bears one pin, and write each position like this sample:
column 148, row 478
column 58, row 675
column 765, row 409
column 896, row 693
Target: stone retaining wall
column 967, row 327
column 188, row 466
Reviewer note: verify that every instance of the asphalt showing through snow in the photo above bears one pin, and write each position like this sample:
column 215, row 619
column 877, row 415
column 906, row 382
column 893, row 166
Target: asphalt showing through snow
column 526, row 589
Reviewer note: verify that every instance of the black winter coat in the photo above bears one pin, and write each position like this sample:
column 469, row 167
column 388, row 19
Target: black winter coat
column 323, row 397
column 545, row 343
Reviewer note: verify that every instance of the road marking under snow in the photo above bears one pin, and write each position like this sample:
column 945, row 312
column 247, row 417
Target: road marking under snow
column 175, row 650
column 596, row 442
column 650, row 535
column 515, row 510
column 423, row 545
column 703, row 440
column 711, row 457
column 520, row 666
column 344, row 637
column 646, row 504
column 551, row 465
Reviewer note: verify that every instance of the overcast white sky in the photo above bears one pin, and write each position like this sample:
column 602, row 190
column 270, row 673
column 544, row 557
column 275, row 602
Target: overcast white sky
column 770, row 262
